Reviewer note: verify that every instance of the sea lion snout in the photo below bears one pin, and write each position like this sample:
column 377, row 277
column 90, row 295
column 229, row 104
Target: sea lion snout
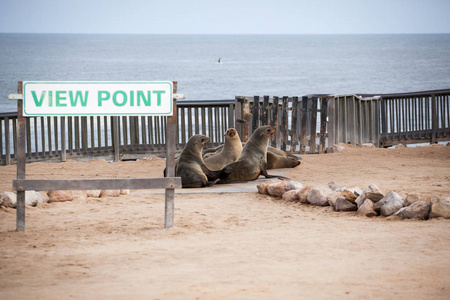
column 231, row 132
column 205, row 140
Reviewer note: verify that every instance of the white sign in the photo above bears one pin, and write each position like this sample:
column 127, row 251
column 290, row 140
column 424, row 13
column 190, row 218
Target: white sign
column 87, row 98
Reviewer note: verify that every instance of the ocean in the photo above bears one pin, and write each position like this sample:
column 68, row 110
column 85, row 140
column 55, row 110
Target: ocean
column 274, row 65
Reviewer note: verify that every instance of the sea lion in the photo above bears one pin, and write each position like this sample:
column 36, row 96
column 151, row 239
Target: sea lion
column 275, row 161
column 191, row 167
column 230, row 151
column 253, row 160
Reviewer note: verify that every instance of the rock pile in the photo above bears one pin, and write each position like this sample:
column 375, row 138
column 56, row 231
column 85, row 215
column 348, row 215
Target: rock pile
column 369, row 202
column 33, row 198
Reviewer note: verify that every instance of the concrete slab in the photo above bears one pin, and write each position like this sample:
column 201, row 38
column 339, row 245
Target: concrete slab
column 236, row 187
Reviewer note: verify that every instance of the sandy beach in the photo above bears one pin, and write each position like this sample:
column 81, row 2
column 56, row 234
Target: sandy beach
column 231, row 245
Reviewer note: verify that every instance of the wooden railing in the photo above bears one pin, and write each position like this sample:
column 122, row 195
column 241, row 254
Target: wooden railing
column 307, row 124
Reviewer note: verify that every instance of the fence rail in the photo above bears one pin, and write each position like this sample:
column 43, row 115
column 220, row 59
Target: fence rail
column 307, row 124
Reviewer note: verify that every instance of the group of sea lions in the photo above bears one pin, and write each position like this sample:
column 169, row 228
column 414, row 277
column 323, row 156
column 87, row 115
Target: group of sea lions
column 232, row 161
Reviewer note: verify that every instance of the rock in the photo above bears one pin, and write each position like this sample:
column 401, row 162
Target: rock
column 377, row 206
column 393, row 203
column 332, row 197
column 60, row 196
column 80, row 194
column 45, row 197
column 262, row 187
column 109, row 193
column 125, row 192
column 277, row 189
column 343, row 204
column 9, row 199
column 356, row 190
column 1, row 199
column 366, row 209
column 400, row 146
column 293, row 185
column 371, row 192
column 441, row 208
column 334, row 149
column 332, row 185
column 368, row 145
column 93, row 193
column 318, row 195
column 349, row 195
column 291, row 195
column 32, row 198
column 417, row 210
column 303, row 194
column 410, row 199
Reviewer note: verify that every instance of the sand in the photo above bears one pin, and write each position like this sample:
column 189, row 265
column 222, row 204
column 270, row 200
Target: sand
column 231, row 245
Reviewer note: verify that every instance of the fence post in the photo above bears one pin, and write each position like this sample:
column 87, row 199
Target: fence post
column 323, row 123
column 255, row 112
column 434, row 120
column 21, row 161
column 63, row 139
column 313, row 126
column 284, row 120
column 294, row 137
column 275, row 121
column 304, row 124
column 331, row 121
column 7, row 143
column 115, row 137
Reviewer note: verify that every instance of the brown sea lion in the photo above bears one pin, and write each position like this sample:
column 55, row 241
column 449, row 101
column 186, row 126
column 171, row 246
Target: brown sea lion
column 253, row 160
column 230, row 151
column 191, row 167
column 275, row 161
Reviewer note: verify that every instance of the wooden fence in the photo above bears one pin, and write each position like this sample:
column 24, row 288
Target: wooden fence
column 307, row 124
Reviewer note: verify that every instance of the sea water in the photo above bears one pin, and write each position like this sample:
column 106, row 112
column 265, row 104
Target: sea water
column 274, row 65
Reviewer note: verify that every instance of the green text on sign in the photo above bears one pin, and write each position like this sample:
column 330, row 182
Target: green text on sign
column 97, row 98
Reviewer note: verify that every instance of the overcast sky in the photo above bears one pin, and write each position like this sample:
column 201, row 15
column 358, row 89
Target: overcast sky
column 225, row 16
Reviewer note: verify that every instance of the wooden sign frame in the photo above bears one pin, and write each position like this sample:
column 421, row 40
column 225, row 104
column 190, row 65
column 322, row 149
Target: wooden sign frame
column 169, row 183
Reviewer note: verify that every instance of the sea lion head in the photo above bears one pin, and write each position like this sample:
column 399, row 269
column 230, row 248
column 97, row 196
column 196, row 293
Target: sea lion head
column 265, row 131
column 198, row 141
column 231, row 132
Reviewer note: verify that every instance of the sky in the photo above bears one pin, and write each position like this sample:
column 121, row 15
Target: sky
column 225, row 16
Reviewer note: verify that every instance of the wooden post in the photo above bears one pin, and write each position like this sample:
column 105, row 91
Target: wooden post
column 275, row 121
column 284, row 120
column 304, row 124
column 434, row 119
column 265, row 112
column 7, row 143
column 294, row 137
column 255, row 112
column 115, row 137
column 313, row 126
column 21, row 161
column 331, row 121
column 323, row 124
column 63, row 139
column 171, row 134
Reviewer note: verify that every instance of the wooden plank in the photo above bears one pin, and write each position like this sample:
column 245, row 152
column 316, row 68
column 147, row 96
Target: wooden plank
column 265, row 111
column 313, row 126
column 331, row 121
column 7, row 143
column 284, row 121
column 63, row 139
column 255, row 112
column 304, row 124
column 323, row 124
column 21, row 162
column 434, row 119
column 115, row 137
column 96, row 184
column 294, row 120
column 275, row 120
column 171, row 134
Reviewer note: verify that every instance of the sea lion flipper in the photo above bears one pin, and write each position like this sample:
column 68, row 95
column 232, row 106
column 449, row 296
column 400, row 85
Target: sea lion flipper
column 267, row 175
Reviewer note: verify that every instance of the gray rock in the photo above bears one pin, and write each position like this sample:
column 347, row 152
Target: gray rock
column 343, row 204
column 318, row 195
column 332, row 197
column 393, row 203
column 291, row 195
column 356, row 190
column 293, row 185
column 418, row 210
column 441, row 208
column 410, row 199
column 334, row 149
column 371, row 192
column 303, row 194
column 366, row 209
column 9, row 199
column 377, row 206
column 368, row 145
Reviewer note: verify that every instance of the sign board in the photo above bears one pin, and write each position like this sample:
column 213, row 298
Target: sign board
column 85, row 98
